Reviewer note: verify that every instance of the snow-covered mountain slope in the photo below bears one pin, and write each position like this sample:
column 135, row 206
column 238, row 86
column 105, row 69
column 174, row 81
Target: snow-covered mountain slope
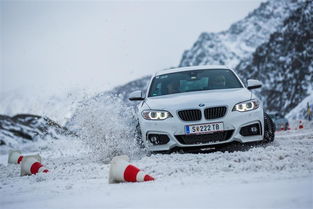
column 241, row 39
column 23, row 128
column 301, row 110
column 285, row 63
column 57, row 106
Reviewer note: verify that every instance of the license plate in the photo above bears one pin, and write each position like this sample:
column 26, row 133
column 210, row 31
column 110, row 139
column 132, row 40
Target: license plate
column 204, row 128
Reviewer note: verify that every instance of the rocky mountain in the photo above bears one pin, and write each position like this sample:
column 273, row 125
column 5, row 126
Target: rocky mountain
column 285, row 63
column 241, row 39
column 25, row 127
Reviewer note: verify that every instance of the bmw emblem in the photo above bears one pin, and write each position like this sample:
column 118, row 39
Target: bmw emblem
column 201, row 105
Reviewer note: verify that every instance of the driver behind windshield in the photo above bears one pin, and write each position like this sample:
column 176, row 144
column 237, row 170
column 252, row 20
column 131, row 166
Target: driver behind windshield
column 218, row 82
column 172, row 87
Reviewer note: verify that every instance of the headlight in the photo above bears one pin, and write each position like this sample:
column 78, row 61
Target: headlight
column 156, row 114
column 246, row 106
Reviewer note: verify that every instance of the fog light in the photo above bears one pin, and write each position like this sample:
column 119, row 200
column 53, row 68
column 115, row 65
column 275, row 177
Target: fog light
column 158, row 139
column 254, row 129
column 154, row 139
column 251, row 130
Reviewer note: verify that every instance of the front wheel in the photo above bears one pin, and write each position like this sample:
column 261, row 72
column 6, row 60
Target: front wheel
column 269, row 129
column 138, row 136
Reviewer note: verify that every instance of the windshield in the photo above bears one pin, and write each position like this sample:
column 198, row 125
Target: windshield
column 196, row 80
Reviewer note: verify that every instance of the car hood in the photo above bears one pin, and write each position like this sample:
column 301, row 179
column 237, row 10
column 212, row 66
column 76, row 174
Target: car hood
column 189, row 100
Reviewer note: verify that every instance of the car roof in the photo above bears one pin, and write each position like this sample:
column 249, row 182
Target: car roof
column 181, row 69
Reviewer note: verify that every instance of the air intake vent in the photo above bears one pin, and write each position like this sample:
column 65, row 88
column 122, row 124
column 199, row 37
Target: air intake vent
column 214, row 112
column 190, row 115
column 219, row 136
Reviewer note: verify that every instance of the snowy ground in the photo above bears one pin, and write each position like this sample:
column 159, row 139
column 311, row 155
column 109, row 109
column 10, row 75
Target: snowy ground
column 279, row 175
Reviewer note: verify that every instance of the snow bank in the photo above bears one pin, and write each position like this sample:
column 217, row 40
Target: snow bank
column 278, row 175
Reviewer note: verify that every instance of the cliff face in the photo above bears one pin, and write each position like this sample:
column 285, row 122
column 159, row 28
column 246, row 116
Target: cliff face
column 284, row 64
column 25, row 127
column 241, row 39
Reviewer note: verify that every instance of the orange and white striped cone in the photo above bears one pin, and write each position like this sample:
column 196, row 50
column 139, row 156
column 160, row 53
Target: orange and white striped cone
column 122, row 171
column 15, row 157
column 301, row 125
column 32, row 165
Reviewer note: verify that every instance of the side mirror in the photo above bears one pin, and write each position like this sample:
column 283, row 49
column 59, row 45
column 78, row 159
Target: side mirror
column 254, row 84
column 136, row 96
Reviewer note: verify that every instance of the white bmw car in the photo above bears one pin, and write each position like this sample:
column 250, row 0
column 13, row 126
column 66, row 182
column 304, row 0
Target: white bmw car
column 197, row 107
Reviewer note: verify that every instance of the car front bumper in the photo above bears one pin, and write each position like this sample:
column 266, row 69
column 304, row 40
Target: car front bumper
column 174, row 127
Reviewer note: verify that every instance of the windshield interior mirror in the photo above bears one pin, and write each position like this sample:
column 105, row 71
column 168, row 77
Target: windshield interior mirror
column 136, row 96
column 254, row 84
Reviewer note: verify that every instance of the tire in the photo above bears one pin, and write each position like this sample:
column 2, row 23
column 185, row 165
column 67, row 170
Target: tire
column 286, row 126
column 269, row 129
column 138, row 136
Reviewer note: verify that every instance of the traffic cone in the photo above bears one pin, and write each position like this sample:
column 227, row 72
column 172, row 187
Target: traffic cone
column 122, row 171
column 301, row 125
column 15, row 157
column 32, row 165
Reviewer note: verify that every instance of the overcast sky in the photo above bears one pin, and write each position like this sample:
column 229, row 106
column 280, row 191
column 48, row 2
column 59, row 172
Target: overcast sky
column 56, row 46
